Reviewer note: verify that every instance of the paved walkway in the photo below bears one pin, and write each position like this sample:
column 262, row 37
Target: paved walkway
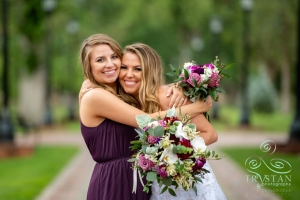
column 72, row 182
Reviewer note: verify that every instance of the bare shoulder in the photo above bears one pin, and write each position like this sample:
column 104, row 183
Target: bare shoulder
column 98, row 98
column 97, row 94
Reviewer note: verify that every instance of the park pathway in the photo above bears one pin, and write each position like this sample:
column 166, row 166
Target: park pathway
column 72, row 182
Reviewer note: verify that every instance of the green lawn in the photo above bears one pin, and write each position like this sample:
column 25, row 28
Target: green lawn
column 229, row 117
column 273, row 180
column 24, row 178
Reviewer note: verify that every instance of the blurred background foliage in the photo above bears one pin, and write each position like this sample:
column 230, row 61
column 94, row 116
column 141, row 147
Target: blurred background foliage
column 180, row 32
column 44, row 75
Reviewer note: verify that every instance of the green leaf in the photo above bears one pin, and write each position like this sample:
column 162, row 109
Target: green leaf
column 208, row 153
column 229, row 65
column 171, row 192
column 150, row 131
column 213, row 94
column 198, row 179
column 144, row 147
column 160, row 183
column 135, row 141
column 164, row 189
column 192, row 126
column 180, row 167
column 132, row 160
column 172, row 129
column 195, row 189
column 146, row 189
column 172, row 67
column 151, row 176
column 174, row 149
column 226, row 75
column 220, row 90
column 186, row 74
column 171, row 74
column 167, row 181
column 140, row 132
column 213, row 153
column 143, row 120
column 171, row 112
column 159, row 131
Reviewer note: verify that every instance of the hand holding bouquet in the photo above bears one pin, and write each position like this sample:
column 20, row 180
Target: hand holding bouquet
column 170, row 151
column 201, row 81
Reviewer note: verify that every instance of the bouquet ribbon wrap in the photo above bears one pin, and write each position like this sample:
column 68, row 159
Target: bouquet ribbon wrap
column 135, row 172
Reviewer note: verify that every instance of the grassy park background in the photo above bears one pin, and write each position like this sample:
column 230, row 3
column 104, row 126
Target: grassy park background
column 41, row 76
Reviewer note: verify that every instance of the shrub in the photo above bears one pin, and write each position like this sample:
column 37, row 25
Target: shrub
column 262, row 94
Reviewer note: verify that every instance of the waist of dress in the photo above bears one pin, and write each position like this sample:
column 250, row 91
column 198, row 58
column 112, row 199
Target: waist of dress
column 114, row 159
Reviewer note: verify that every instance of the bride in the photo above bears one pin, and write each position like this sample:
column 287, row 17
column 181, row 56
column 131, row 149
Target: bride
column 149, row 79
column 208, row 190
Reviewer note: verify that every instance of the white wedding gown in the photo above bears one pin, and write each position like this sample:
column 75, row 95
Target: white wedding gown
column 208, row 190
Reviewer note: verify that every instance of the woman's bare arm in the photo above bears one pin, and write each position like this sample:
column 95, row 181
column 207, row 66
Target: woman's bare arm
column 207, row 131
column 175, row 94
column 98, row 104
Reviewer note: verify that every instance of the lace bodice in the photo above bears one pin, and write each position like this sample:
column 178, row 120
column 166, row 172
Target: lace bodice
column 208, row 190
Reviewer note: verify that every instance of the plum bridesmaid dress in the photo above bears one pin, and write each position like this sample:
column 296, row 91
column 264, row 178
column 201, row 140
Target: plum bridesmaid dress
column 112, row 178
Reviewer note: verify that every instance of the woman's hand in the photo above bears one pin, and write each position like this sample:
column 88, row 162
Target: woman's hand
column 86, row 86
column 178, row 98
column 206, row 105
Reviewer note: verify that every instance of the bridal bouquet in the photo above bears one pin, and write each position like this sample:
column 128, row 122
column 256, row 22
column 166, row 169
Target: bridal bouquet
column 201, row 81
column 170, row 151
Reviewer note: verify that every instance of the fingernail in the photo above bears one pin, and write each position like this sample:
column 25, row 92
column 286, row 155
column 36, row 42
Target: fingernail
column 167, row 95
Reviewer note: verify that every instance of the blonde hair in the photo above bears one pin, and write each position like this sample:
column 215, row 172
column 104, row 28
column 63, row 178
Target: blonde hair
column 152, row 76
column 84, row 58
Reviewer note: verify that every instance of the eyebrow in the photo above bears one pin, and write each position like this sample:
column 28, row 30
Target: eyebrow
column 114, row 54
column 133, row 66
column 96, row 58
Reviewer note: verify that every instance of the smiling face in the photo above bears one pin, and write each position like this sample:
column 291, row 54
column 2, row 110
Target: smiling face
column 130, row 76
column 105, row 64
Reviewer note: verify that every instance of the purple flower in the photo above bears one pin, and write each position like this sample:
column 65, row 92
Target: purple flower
column 196, row 69
column 152, row 139
column 145, row 163
column 210, row 65
column 214, row 80
column 199, row 163
column 162, row 123
column 196, row 77
column 162, row 172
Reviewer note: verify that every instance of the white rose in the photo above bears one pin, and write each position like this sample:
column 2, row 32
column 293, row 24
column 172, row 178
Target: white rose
column 179, row 131
column 208, row 72
column 153, row 124
column 204, row 78
column 215, row 70
column 168, row 156
column 186, row 65
column 198, row 144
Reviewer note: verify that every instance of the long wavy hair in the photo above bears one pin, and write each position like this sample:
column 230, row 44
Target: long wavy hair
column 84, row 58
column 152, row 76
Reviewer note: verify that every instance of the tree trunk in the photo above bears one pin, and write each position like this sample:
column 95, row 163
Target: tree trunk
column 285, row 87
